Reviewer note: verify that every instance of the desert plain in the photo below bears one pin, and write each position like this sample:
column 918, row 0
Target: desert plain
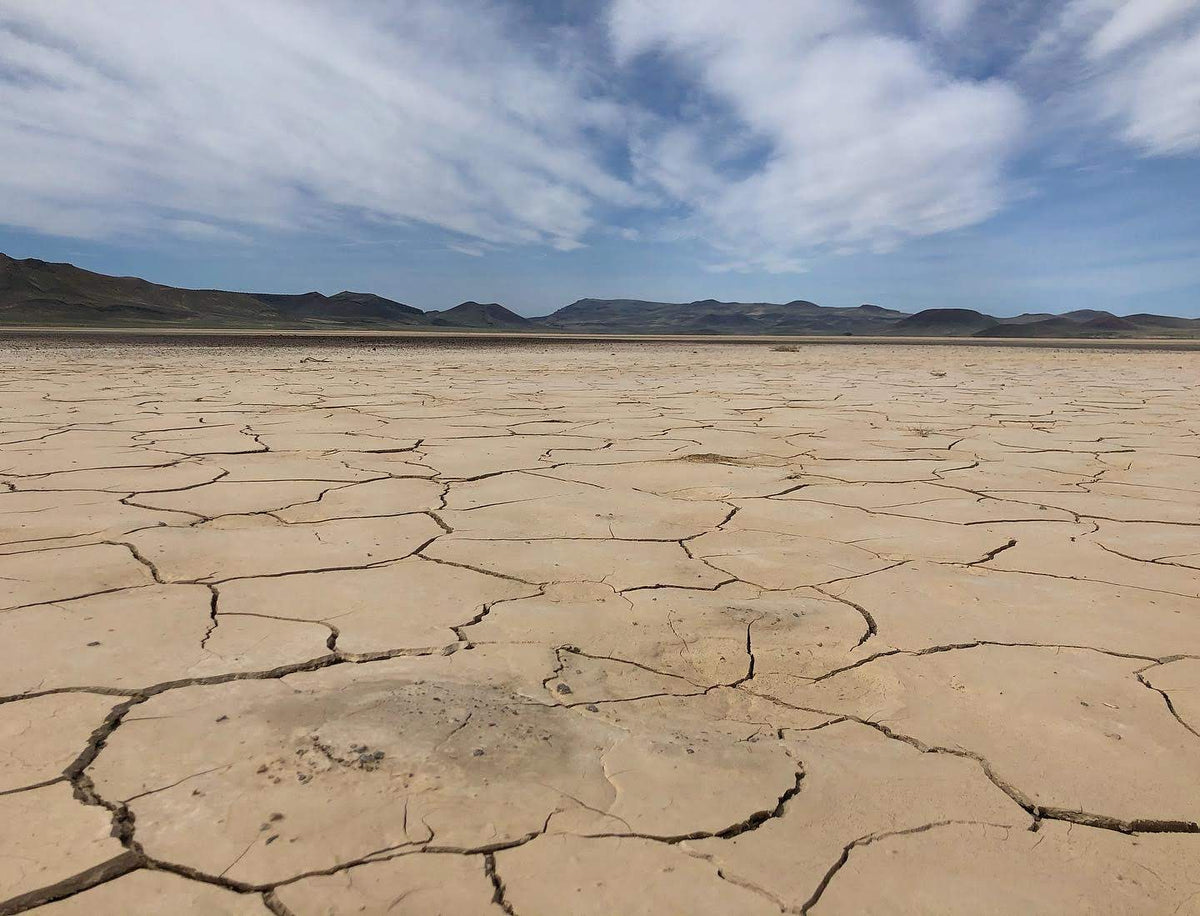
column 598, row 628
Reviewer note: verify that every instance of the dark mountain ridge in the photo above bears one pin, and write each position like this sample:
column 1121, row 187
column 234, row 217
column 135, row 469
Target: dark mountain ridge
column 944, row 323
column 708, row 316
column 41, row 293
column 34, row 292
column 478, row 315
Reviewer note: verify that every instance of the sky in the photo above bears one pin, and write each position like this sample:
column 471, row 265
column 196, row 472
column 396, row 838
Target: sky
column 1019, row 156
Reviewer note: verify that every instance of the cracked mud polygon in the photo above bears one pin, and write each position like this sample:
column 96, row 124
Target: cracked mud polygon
column 598, row 628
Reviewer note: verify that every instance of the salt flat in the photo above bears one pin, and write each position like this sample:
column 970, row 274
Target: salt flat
column 598, row 628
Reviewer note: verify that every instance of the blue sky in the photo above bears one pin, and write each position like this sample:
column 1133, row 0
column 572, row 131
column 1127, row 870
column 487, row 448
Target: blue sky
column 1006, row 156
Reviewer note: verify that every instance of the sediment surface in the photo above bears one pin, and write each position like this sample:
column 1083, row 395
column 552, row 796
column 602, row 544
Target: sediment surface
column 598, row 628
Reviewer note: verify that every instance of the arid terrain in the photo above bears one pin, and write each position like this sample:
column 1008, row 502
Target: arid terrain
column 597, row 628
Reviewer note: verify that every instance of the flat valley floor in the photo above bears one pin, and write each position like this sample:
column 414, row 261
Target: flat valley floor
column 598, row 628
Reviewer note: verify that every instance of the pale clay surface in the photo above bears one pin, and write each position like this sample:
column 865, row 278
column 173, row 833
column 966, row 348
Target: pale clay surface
column 598, row 628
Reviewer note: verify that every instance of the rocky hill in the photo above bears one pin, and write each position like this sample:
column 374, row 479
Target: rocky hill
column 34, row 292
column 479, row 315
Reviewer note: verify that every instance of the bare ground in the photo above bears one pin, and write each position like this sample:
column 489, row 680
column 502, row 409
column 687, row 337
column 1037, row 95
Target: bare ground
column 623, row 628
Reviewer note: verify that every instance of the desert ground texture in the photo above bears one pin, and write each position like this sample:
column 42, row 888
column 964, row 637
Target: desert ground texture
column 598, row 628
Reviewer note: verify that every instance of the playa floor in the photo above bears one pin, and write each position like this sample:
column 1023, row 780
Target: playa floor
column 591, row 628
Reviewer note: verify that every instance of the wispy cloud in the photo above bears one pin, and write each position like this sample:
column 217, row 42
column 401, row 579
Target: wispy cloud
column 471, row 251
column 867, row 142
column 115, row 117
column 946, row 16
column 1134, row 65
column 772, row 133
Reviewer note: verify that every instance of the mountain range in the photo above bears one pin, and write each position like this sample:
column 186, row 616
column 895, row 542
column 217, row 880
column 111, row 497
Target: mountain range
column 44, row 294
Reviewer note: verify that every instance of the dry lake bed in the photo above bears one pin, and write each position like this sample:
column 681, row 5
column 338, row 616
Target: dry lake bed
column 598, row 628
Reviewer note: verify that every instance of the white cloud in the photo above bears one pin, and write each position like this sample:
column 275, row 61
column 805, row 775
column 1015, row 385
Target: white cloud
column 769, row 263
column 197, row 231
column 805, row 127
column 1138, row 67
column 1131, row 21
column 1154, row 84
column 868, row 143
column 946, row 16
column 137, row 115
column 1160, row 99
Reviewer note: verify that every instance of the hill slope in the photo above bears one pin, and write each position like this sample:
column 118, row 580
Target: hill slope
column 34, row 292
column 944, row 323
column 478, row 315
column 343, row 306
column 1100, row 325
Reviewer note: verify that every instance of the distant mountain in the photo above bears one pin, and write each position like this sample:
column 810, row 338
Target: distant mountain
column 342, row 306
column 708, row 316
column 1027, row 318
column 1101, row 325
column 1164, row 321
column 39, row 293
column 34, row 292
column 1086, row 315
column 478, row 315
column 944, row 323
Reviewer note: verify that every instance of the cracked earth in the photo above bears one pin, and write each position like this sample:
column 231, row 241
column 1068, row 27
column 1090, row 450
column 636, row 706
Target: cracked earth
column 597, row 629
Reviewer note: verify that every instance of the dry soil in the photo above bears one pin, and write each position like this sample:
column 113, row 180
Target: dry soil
column 598, row 628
